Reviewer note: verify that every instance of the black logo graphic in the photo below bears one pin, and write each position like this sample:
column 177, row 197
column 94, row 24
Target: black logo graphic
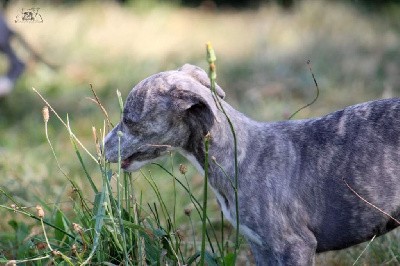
column 30, row 15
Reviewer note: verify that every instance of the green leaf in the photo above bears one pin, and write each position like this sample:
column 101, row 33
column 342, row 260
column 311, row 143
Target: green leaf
column 78, row 154
column 99, row 218
column 21, row 230
column 62, row 223
column 193, row 258
column 3, row 259
column 230, row 259
column 97, row 202
column 13, row 224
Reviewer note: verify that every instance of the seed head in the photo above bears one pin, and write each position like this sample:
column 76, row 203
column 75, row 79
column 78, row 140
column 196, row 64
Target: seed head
column 180, row 234
column 182, row 169
column 77, row 228
column 74, row 249
column 207, row 136
column 56, row 253
column 41, row 245
column 211, row 57
column 39, row 211
column 188, row 211
column 45, row 113
column 15, row 207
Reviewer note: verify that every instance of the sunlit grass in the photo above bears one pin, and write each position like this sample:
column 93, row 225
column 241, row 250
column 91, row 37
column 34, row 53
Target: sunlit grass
column 111, row 222
column 262, row 67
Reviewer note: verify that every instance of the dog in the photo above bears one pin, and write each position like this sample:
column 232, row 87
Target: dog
column 304, row 186
column 16, row 65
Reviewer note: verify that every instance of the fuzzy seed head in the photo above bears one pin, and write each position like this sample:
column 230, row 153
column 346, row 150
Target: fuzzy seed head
column 56, row 253
column 180, row 234
column 74, row 249
column 188, row 211
column 45, row 113
column 77, row 228
column 211, row 57
column 15, row 207
column 41, row 245
column 207, row 136
column 182, row 169
column 40, row 211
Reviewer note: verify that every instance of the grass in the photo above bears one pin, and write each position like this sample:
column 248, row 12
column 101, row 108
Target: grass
column 262, row 68
column 116, row 227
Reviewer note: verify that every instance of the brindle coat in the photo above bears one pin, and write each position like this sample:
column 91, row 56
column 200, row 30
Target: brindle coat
column 294, row 199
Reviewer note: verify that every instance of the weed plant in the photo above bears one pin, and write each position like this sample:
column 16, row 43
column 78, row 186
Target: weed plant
column 118, row 227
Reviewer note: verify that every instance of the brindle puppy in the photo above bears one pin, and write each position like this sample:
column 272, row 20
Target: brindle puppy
column 294, row 176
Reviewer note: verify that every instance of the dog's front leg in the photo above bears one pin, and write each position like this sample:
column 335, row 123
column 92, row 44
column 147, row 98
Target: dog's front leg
column 282, row 253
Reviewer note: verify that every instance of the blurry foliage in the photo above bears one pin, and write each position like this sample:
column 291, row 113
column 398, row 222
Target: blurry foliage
column 367, row 5
column 373, row 6
column 237, row 3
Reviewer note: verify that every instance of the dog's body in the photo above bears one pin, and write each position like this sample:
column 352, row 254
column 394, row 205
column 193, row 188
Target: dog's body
column 297, row 179
column 16, row 66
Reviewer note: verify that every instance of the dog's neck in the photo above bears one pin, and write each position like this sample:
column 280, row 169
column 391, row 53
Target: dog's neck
column 221, row 159
column 221, row 147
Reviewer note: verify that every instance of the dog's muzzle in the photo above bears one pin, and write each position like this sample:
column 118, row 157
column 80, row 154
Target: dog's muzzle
column 111, row 144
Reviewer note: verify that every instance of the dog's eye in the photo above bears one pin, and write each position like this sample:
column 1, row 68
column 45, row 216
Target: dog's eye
column 127, row 121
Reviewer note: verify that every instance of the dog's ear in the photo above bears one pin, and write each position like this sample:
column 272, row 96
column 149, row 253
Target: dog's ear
column 184, row 100
column 201, row 76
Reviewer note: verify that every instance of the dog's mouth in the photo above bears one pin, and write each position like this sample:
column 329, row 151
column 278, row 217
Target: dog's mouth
column 141, row 157
column 125, row 163
column 128, row 161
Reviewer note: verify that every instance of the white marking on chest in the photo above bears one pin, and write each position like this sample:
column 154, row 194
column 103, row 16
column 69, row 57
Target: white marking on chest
column 250, row 234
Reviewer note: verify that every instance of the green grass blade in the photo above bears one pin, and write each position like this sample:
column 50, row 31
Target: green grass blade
column 61, row 222
column 89, row 178
column 198, row 208
column 211, row 58
column 205, row 196
column 100, row 202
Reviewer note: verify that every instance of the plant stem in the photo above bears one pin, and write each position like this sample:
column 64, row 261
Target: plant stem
column 119, row 208
column 198, row 208
column 65, row 124
column 211, row 57
column 204, row 220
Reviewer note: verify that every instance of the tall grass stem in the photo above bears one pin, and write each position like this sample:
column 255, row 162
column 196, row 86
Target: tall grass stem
column 62, row 121
column 211, row 58
column 205, row 196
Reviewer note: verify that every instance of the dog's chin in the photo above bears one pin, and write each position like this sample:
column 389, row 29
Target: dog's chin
column 133, row 165
column 140, row 159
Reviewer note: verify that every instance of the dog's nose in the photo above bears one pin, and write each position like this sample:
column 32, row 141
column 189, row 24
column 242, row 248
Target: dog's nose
column 111, row 147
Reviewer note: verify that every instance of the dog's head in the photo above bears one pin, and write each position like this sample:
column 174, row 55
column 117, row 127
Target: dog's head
column 162, row 113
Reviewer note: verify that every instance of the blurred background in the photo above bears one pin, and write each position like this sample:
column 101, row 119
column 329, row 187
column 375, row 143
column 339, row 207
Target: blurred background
column 262, row 49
